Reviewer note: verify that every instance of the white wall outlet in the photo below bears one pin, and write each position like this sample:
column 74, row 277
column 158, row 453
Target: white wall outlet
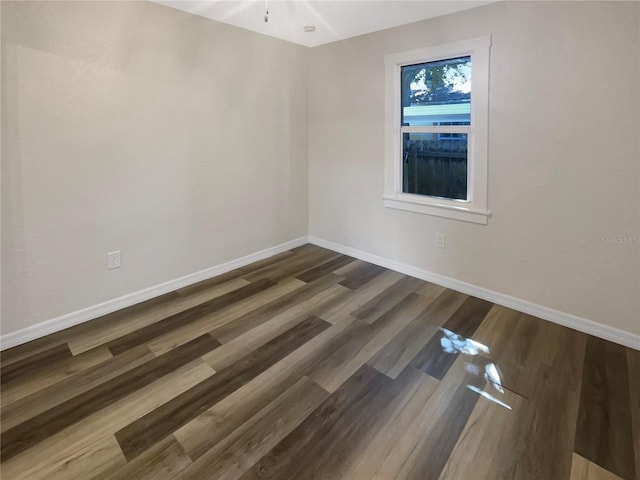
column 439, row 240
column 113, row 260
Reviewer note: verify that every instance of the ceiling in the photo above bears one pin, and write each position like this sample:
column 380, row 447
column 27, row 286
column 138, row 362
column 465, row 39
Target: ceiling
column 333, row 19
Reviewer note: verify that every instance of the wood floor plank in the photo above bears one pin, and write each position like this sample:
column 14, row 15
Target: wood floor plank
column 209, row 322
column 225, row 416
column 53, row 453
column 301, row 248
column 468, row 317
column 480, row 451
column 213, row 289
column 294, row 269
column 27, row 365
column 153, row 427
column 377, row 306
column 38, row 346
column 338, row 411
column 233, row 274
column 361, row 341
column 242, row 345
column 240, row 450
column 213, row 426
column 397, row 354
column 342, row 350
column 234, row 329
column 81, row 382
column 300, row 362
column 340, row 447
column 279, row 258
column 294, row 266
column 519, row 346
column 544, row 426
column 401, row 413
column 164, row 461
column 533, row 440
column 483, row 448
column 325, row 268
column 231, row 278
column 497, row 329
column 170, row 302
column 67, row 335
column 27, row 434
column 333, row 369
column 443, row 423
column 430, row 290
column 583, row 469
column 432, row 358
column 359, row 297
column 119, row 324
column 265, row 268
column 145, row 334
column 361, row 275
column 522, row 339
column 604, row 430
column 86, row 461
column 277, row 261
column 50, row 374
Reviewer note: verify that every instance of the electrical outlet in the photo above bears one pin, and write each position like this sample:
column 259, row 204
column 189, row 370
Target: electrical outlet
column 113, row 260
column 439, row 240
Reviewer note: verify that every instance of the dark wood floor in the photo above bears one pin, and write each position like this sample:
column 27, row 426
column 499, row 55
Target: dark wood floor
column 312, row 365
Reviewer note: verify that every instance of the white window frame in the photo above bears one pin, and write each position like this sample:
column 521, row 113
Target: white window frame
column 474, row 208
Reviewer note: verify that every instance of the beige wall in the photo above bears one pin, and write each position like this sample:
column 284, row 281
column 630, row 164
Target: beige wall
column 564, row 156
column 131, row 126
column 183, row 143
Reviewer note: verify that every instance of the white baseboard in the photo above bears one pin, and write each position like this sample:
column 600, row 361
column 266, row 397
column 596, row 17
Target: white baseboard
column 616, row 335
column 612, row 334
column 74, row 318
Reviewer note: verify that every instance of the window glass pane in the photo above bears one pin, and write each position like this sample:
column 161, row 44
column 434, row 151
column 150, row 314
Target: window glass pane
column 435, row 164
column 437, row 93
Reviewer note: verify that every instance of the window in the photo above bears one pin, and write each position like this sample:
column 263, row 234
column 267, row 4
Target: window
column 437, row 130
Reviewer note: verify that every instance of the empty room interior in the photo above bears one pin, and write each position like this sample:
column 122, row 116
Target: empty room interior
column 320, row 239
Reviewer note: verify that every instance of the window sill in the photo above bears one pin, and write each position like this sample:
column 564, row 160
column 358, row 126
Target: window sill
column 439, row 210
